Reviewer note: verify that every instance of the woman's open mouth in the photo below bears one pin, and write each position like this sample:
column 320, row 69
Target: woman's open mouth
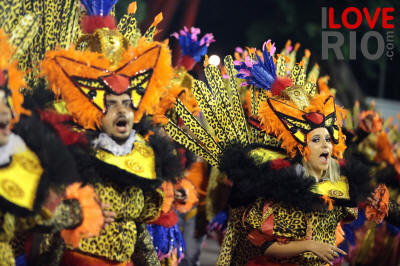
column 5, row 127
column 324, row 157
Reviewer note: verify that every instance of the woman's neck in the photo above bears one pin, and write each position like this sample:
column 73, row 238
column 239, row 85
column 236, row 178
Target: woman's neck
column 317, row 174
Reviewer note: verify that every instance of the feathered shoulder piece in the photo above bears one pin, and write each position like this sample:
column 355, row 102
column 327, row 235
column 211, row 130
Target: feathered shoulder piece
column 109, row 59
column 283, row 180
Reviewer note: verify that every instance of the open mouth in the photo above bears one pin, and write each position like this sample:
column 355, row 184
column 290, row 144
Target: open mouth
column 324, row 157
column 5, row 127
column 122, row 125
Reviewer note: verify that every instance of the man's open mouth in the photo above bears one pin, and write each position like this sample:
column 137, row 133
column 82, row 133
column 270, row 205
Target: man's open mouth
column 122, row 124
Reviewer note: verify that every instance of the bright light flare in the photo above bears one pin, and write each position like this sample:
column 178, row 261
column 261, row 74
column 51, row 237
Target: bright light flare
column 214, row 60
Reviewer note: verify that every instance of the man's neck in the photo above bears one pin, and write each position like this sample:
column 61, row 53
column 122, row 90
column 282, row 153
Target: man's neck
column 116, row 147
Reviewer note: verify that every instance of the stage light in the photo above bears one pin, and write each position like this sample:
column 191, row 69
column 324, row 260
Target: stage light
column 214, row 60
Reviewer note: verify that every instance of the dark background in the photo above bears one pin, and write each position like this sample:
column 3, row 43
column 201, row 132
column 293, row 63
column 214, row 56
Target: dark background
column 252, row 22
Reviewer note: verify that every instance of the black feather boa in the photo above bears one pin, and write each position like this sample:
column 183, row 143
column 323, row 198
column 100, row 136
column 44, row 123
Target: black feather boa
column 167, row 163
column 58, row 164
column 286, row 185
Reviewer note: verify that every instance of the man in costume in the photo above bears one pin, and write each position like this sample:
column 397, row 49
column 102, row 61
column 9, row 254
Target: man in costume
column 108, row 81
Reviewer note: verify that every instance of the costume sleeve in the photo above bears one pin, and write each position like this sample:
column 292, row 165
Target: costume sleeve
column 67, row 215
column 236, row 248
column 260, row 221
column 394, row 213
column 232, row 236
column 349, row 214
column 145, row 253
column 153, row 201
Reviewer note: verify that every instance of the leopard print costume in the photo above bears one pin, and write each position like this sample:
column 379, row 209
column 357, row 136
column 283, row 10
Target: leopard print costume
column 132, row 207
column 236, row 249
column 289, row 223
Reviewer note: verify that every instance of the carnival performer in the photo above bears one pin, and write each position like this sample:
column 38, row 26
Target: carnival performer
column 109, row 80
column 289, row 191
column 34, row 165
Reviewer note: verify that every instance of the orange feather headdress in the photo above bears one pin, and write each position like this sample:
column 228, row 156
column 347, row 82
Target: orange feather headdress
column 293, row 106
column 11, row 79
column 105, row 61
column 282, row 118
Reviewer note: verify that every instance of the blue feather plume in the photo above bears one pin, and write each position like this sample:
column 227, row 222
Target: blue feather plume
column 260, row 72
column 98, row 7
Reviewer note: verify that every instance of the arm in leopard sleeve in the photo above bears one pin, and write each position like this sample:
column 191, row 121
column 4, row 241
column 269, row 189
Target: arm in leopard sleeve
column 67, row 215
column 145, row 253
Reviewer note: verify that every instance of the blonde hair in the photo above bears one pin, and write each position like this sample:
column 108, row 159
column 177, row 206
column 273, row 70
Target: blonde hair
column 333, row 172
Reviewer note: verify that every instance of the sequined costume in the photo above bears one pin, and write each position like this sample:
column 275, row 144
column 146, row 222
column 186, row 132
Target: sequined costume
column 257, row 226
column 272, row 199
column 117, row 60
column 33, row 162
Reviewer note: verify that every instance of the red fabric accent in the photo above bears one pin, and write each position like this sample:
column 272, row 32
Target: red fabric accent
column 52, row 200
column 187, row 62
column 315, row 117
column 257, row 238
column 267, row 229
column 78, row 259
column 65, row 132
column 2, row 78
column 168, row 219
column 268, row 226
column 182, row 156
column 279, row 85
column 342, row 162
column 255, row 122
column 118, row 83
column 28, row 245
column 279, row 163
column 92, row 23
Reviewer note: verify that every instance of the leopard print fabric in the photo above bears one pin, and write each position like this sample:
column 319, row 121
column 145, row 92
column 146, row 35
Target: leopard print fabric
column 197, row 129
column 297, row 225
column 128, row 27
column 189, row 143
column 289, row 223
column 68, row 214
column 6, row 255
column 145, row 253
column 236, row 249
column 116, row 242
column 60, row 26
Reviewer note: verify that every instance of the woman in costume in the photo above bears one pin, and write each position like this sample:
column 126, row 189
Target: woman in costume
column 289, row 192
column 109, row 80
column 35, row 165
